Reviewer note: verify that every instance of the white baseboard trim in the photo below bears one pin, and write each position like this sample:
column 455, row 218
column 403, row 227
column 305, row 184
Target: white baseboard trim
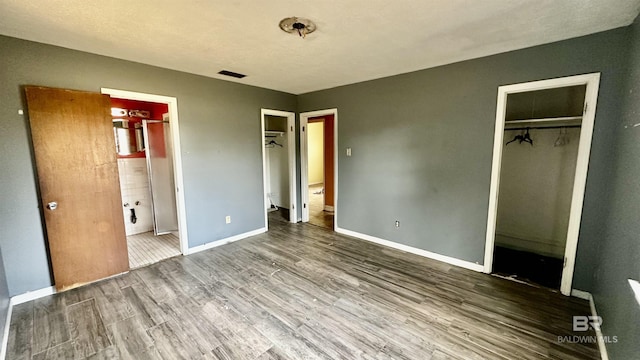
column 19, row 299
column 584, row 295
column 5, row 334
column 587, row 296
column 32, row 295
column 225, row 241
column 413, row 250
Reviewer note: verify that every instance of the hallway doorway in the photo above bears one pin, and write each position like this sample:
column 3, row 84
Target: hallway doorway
column 319, row 167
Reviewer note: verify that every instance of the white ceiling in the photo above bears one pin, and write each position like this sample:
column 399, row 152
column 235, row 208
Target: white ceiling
column 356, row 40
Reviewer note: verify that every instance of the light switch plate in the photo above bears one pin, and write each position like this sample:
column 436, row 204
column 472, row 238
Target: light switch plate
column 348, row 151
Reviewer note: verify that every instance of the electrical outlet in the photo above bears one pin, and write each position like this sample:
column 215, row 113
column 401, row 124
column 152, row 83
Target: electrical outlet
column 348, row 151
column 397, row 223
column 227, row 219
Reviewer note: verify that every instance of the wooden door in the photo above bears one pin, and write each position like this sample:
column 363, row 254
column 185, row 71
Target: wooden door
column 75, row 155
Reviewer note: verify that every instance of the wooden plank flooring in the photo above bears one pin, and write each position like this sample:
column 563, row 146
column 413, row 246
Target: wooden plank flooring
column 317, row 215
column 299, row 292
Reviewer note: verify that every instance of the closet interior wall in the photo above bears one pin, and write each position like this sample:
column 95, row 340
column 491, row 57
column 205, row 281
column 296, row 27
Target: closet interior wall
column 536, row 180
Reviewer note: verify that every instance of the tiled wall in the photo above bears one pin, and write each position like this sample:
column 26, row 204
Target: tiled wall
column 134, row 185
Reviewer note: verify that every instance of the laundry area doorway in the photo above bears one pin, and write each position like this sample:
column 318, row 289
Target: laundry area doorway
column 541, row 153
column 144, row 142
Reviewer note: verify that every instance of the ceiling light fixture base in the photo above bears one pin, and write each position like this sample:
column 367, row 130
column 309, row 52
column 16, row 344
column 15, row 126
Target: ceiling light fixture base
column 297, row 25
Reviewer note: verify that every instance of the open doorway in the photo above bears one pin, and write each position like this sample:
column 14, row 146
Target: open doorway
column 319, row 171
column 541, row 153
column 319, row 188
column 279, row 166
column 144, row 133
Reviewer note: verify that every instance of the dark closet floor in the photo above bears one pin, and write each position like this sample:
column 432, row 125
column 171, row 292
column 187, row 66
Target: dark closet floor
column 529, row 267
column 280, row 214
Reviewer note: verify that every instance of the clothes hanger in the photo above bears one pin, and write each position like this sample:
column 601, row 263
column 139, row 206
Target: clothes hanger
column 522, row 137
column 562, row 139
column 527, row 138
column 273, row 143
column 516, row 138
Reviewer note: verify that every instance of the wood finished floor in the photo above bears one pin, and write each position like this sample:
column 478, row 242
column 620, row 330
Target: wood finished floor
column 317, row 215
column 299, row 292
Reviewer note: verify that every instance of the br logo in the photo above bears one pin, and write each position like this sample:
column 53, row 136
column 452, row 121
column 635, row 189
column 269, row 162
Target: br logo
column 582, row 323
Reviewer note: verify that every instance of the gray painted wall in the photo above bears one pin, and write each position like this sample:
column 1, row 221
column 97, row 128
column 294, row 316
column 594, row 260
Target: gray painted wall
column 220, row 136
column 619, row 247
column 422, row 145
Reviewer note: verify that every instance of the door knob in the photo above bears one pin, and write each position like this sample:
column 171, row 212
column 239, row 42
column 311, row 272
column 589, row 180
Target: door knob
column 52, row 205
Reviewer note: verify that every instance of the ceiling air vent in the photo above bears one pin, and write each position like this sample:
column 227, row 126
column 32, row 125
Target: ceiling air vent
column 232, row 74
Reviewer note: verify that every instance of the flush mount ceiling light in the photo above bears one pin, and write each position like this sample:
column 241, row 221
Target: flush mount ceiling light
column 296, row 25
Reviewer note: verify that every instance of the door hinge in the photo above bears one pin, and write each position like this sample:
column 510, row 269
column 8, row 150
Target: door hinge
column 305, row 206
column 303, row 128
column 293, row 207
column 292, row 128
column 564, row 264
column 586, row 106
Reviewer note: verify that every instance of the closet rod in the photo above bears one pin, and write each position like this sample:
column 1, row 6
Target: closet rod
column 543, row 127
column 544, row 120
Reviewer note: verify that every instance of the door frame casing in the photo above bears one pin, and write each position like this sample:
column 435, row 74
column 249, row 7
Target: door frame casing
column 304, row 162
column 592, row 82
column 291, row 161
column 174, row 129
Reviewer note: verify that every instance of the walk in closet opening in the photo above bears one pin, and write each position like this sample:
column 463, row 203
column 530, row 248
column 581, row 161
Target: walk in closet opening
column 540, row 157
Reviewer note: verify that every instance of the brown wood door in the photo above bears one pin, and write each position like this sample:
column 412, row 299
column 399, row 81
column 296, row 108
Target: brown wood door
column 75, row 154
